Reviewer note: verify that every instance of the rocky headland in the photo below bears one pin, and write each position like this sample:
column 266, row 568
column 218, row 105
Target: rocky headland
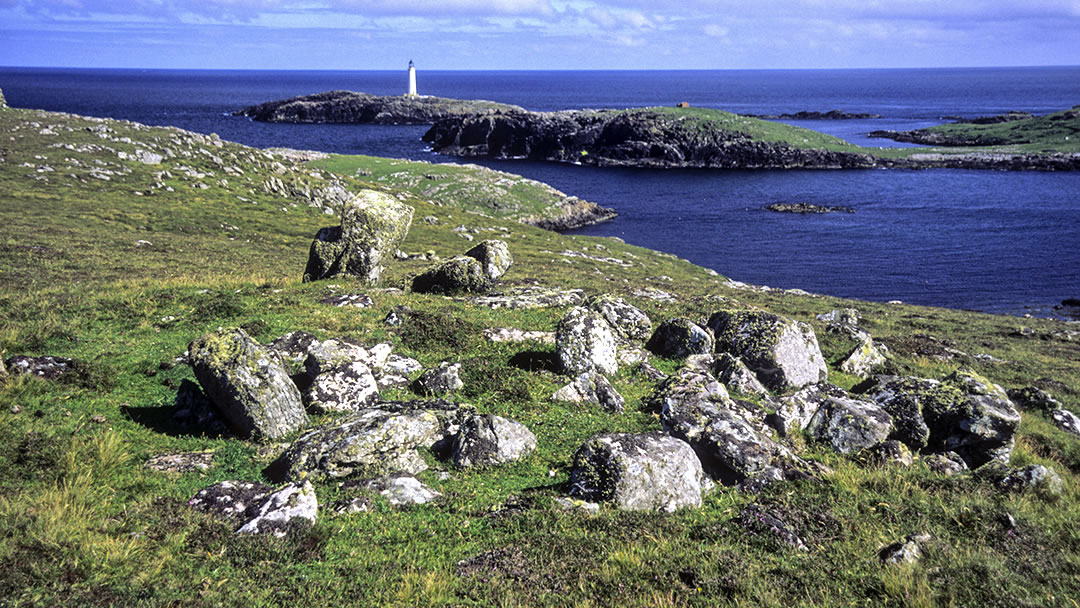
column 354, row 107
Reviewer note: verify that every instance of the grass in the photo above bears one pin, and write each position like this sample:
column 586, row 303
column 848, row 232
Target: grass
column 83, row 523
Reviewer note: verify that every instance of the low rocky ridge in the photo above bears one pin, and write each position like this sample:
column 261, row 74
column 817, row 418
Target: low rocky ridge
column 1016, row 128
column 355, row 108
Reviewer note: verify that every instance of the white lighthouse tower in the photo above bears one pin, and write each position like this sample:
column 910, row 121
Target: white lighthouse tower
column 412, row 79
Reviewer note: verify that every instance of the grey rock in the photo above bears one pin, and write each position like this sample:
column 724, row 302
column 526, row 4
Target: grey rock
column 512, row 334
column 782, row 352
column 679, row 338
column 1033, row 398
column 442, row 380
column 329, row 355
column 631, row 356
column 891, row 453
column 401, row 490
column 584, row 342
column 487, row 440
column 349, row 300
column 294, row 348
column 248, row 383
column 356, row 504
column 592, row 387
column 736, row 376
column 863, row 360
column 46, row 367
column 372, row 442
column 1066, row 421
column 459, row 274
column 184, row 462
column 947, row 463
column 907, row 551
column 850, row 425
column 973, row 417
column 257, row 508
column 402, row 366
column 373, row 226
column 629, row 323
column 230, row 499
column 523, row 298
column 641, row 472
column 567, row 503
column 903, row 399
column 796, row 410
column 346, row 388
column 494, row 257
column 1035, row 478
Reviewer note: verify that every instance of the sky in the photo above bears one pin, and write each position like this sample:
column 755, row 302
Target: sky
column 538, row 34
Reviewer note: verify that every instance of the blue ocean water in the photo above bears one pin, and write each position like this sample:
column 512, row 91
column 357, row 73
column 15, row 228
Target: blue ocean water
column 983, row 240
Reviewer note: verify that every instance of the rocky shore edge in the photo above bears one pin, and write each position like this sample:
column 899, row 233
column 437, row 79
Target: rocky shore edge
column 358, row 108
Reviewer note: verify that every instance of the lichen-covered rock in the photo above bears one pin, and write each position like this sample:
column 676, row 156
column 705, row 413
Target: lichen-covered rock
column 1035, row 478
column 736, row 376
column 850, row 425
column 1066, row 421
column 592, row 387
column 294, row 348
column 494, row 257
column 487, row 440
column 248, row 383
column 346, row 388
column 333, row 354
column 782, row 352
column 373, row 226
column 641, row 472
column 864, row 359
column 629, row 323
column 45, row 367
column 373, row 442
column 400, row 489
column 903, row 399
column 183, row 462
column 796, row 409
column 679, row 338
column 891, row 452
column 948, row 463
column 584, row 342
column 973, row 417
column 439, row 381
column 256, row 508
column 1033, row 398
column 907, row 551
column 459, row 274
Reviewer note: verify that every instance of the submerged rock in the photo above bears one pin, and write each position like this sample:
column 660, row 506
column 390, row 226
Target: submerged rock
column 373, row 226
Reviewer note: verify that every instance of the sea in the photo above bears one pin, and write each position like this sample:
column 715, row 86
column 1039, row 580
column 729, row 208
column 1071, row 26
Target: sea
column 991, row 241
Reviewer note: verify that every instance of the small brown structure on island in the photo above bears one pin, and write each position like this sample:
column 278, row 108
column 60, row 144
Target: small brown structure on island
column 683, row 104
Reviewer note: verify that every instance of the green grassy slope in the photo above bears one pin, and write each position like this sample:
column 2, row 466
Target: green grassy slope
column 1057, row 132
column 83, row 523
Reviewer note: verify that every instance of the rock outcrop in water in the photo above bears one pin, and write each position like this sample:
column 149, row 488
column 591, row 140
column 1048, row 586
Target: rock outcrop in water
column 636, row 138
column 353, row 107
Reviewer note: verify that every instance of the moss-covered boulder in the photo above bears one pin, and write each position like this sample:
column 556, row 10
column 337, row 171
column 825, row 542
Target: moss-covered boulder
column 973, row 417
column 850, row 425
column 903, row 399
column 640, row 472
column 373, row 226
column 784, row 353
column 248, row 383
column 629, row 323
column 584, row 342
column 487, row 440
column 679, row 338
column 460, row 274
column 494, row 256
column 864, row 359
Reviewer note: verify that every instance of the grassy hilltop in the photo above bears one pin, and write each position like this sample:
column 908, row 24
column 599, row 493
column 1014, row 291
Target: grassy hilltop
column 120, row 243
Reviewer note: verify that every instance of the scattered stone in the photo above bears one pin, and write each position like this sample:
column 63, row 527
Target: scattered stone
column 349, row 300
column 401, row 490
column 15, row 409
column 903, row 399
column 1033, row 399
column 907, row 551
column 850, row 425
column 679, row 338
column 397, row 316
column 1066, row 421
column 98, row 419
column 184, row 462
column 45, row 367
column 373, row 225
column 347, row 388
column 584, row 342
column 567, row 503
column 519, row 298
column 494, row 256
column 487, row 440
column 442, row 380
column 372, row 442
column 640, row 472
column 460, row 274
column 256, row 508
column 796, row 409
column 248, row 384
column 329, row 355
column 628, row 322
column 947, row 463
column 782, row 352
column 736, row 376
column 863, row 360
column 757, row 520
column 511, row 334
column 973, row 417
column 357, row 504
column 293, row 348
column 402, row 366
column 592, row 387
column 1035, row 478
column 631, row 356
column 891, row 453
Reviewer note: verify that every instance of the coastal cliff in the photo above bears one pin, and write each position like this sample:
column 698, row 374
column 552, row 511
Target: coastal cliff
column 353, row 107
column 647, row 137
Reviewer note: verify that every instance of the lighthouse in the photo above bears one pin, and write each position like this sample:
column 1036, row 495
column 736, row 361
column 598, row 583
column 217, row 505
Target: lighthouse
column 412, row 79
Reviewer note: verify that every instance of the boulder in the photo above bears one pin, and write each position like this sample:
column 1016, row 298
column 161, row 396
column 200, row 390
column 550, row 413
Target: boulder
column 1066, row 421
column 584, row 342
column 850, row 425
column 1034, row 399
column 346, row 388
column 796, row 410
column 372, row 442
column 592, row 387
column 494, row 256
column 907, row 551
column 373, row 226
column 891, row 452
column 248, row 383
column 971, row 416
column 439, row 381
column 628, row 322
column 640, row 472
column 459, row 274
column 400, row 490
column 863, row 360
column 329, row 355
column 947, row 463
column 679, row 338
column 903, row 399
column 486, row 440
column 294, row 348
column 782, row 352
column 256, row 508
column 736, row 376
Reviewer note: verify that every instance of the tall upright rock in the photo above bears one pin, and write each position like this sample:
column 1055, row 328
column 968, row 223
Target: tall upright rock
column 373, row 226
